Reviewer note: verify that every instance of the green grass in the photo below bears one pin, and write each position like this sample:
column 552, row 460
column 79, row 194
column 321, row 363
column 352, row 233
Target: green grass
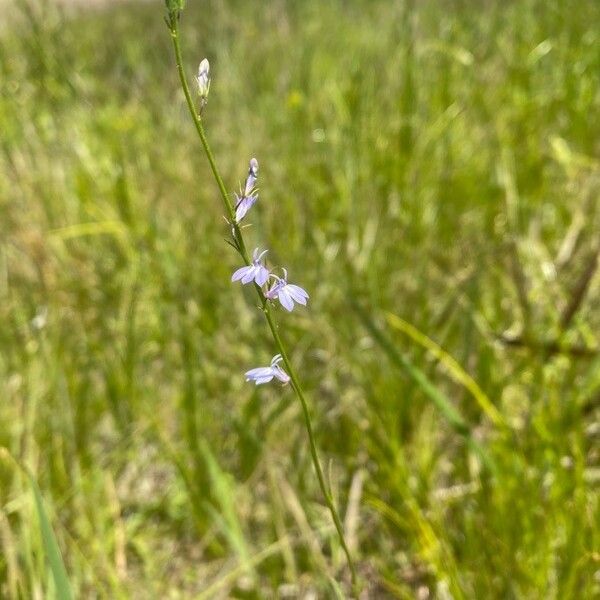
column 433, row 160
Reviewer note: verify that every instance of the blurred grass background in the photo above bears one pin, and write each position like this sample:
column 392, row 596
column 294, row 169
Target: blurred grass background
column 430, row 173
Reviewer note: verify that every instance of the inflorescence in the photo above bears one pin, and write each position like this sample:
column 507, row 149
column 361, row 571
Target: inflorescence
column 272, row 286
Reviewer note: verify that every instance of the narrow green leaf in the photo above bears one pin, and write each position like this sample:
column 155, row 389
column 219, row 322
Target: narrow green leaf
column 227, row 519
column 455, row 370
column 429, row 389
column 57, row 567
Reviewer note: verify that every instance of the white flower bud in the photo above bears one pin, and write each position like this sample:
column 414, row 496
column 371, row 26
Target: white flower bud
column 203, row 80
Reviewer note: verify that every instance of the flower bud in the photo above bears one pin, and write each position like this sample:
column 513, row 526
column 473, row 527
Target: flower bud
column 203, row 80
column 252, row 177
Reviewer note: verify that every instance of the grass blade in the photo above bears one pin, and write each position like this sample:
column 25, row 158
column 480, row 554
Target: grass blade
column 429, row 389
column 457, row 373
column 57, row 566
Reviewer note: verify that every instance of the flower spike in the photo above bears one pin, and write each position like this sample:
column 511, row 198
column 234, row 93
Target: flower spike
column 254, row 270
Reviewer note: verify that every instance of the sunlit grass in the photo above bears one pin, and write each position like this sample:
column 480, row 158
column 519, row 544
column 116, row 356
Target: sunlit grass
column 428, row 160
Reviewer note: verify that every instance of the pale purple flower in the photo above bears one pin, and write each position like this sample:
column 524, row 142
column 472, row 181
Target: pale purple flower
column 255, row 272
column 286, row 293
column 265, row 374
column 243, row 205
column 245, row 202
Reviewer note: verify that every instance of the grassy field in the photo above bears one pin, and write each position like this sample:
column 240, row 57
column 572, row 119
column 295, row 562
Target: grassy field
column 429, row 173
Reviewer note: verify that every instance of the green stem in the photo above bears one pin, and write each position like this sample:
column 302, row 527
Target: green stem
column 266, row 309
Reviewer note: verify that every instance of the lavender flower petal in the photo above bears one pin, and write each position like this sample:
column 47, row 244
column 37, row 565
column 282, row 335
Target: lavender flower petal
column 300, row 291
column 240, row 273
column 262, row 276
column 271, row 294
column 285, row 299
column 258, row 372
column 297, row 293
column 262, row 375
column 281, row 374
column 243, row 206
column 249, row 275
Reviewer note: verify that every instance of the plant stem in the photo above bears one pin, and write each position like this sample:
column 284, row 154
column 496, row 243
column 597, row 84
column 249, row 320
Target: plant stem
column 266, row 309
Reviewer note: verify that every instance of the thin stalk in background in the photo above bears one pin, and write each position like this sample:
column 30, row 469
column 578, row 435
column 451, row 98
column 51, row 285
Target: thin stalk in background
column 239, row 244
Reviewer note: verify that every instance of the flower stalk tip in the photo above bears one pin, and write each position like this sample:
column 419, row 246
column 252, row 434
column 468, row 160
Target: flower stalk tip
column 174, row 8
